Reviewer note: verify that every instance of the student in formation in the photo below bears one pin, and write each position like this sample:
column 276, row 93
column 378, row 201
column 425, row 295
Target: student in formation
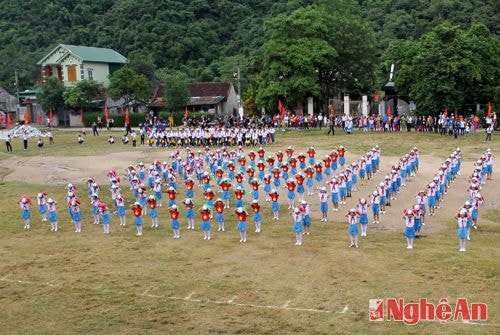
column 120, row 209
column 219, row 207
column 409, row 219
column 290, row 185
column 462, row 217
column 242, row 215
column 352, row 219
column 323, row 203
column 137, row 211
column 25, row 204
column 206, row 215
column 375, row 199
column 52, row 214
column 188, row 202
column 94, row 202
column 174, row 221
column 257, row 215
column 363, row 215
column 41, row 199
column 305, row 208
column 76, row 215
column 297, row 225
column 106, row 219
column 275, row 207
column 153, row 212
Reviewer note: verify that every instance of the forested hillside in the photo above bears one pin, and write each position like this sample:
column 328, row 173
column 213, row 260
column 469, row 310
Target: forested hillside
column 204, row 39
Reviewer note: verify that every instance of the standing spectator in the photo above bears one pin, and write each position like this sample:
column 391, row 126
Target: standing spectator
column 51, row 138
column 95, row 132
column 489, row 131
column 8, row 144
column 25, row 141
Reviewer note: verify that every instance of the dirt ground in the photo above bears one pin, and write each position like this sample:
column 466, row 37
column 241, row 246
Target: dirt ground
column 62, row 170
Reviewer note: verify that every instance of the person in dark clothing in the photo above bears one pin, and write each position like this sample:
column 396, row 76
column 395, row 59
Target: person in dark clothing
column 332, row 125
column 95, row 131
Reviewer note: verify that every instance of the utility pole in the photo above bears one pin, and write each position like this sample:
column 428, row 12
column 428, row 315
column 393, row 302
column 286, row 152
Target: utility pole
column 240, row 109
column 17, row 94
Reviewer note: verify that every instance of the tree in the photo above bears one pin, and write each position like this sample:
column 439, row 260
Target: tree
column 176, row 94
column 127, row 84
column 51, row 95
column 448, row 67
column 142, row 62
column 295, row 51
column 316, row 51
column 82, row 93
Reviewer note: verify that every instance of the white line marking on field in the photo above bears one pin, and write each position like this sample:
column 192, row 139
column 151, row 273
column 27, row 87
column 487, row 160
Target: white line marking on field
column 344, row 310
column 230, row 302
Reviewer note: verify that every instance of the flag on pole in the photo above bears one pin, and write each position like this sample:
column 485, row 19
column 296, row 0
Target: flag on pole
column 186, row 113
column 127, row 116
column 51, row 116
column 489, row 109
column 7, row 123
column 446, row 111
column 389, row 114
column 332, row 110
column 81, row 114
column 39, row 118
column 282, row 109
column 106, row 116
column 1, row 118
column 26, row 119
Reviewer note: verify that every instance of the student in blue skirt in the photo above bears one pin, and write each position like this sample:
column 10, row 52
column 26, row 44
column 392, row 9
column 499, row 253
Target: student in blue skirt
column 106, row 219
column 52, row 214
column 462, row 218
column 297, row 225
column 323, row 203
column 409, row 218
column 363, row 215
column 25, row 203
column 352, row 220
column 42, row 205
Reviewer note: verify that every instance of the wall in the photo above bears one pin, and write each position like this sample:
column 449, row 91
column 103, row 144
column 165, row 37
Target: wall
column 100, row 72
column 68, row 61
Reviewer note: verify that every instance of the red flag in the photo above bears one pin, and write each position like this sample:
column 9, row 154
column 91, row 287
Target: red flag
column 81, row 114
column 186, row 113
column 376, row 97
column 332, row 109
column 489, row 109
column 1, row 118
column 127, row 116
column 7, row 124
column 26, row 119
column 40, row 118
column 106, row 117
column 51, row 117
column 282, row 109
column 389, row 114
column 446, row 112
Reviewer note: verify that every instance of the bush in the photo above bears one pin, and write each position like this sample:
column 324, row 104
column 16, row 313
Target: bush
column 119, row 119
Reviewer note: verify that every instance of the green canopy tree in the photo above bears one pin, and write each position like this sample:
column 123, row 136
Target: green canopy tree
column 448, row 67
column 127, row 84
column 316, row 51
column 295, row 52
column 51, row 95
column 82, row 94
column 176, row 94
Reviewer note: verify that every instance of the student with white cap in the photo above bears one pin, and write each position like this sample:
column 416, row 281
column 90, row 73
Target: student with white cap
column 297, row 225
column 462, row 217
column 352, row 219
column 51, row 204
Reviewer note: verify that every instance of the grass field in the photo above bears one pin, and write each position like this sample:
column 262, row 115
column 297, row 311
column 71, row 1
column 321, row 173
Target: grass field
column 91, row 283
